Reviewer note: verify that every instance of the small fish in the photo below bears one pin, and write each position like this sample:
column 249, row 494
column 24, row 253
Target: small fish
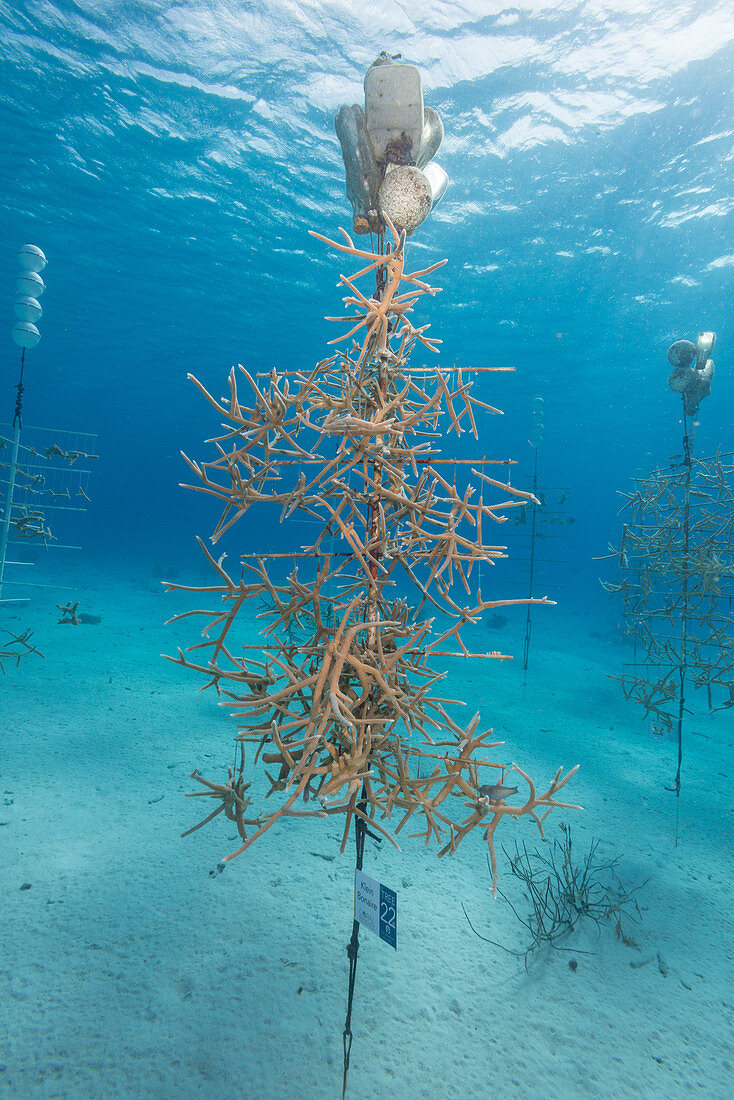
column 495, row 792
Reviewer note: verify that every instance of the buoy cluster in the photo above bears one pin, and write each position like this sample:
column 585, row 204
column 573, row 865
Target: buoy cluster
column 29, row 286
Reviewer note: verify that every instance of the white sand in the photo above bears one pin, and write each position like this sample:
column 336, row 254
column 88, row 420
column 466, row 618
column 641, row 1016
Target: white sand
column 129, row 971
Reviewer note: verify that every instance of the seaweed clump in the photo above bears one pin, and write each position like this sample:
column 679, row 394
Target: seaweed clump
column 563, row 890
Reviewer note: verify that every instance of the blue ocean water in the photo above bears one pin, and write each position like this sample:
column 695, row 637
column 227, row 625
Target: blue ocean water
column 170, row 158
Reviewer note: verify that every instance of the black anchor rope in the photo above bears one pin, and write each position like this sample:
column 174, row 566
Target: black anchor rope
column 353, row 949
column 360, row 832
column 17, row 416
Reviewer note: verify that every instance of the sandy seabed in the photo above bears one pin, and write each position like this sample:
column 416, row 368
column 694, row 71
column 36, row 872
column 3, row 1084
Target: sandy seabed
column 129, row 969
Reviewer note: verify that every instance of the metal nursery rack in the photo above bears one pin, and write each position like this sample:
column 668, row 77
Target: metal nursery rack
column 544, row 521
column 540, row 525
column 44, row 481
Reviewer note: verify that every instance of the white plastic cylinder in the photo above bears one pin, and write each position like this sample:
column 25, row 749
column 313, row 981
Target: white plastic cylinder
column 393, row 105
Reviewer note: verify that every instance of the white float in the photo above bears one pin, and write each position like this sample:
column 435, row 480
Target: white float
column 30, row 258
column 25, row 334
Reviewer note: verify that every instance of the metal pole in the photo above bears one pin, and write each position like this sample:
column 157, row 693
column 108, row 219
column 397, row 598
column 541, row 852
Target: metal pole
column 683, row 666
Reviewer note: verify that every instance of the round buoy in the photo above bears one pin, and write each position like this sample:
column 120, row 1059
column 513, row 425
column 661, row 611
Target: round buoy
column 681, row 354
column 31, row 258
column 405, row 197
column 30, row 284
column 25, row 334
column 27, row 309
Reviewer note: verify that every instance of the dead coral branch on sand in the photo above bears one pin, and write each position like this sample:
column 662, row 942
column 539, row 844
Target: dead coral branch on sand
column 344, row 719
column 19, row 646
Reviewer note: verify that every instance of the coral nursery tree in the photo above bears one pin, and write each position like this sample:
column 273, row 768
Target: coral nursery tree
column 676, row 555
column 336, row 703
column 677, row 558
column 346, row 715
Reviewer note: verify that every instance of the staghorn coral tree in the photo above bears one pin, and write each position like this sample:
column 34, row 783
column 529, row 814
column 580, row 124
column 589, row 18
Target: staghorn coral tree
column 677, row 561
column 338, row 709
column 676, row 557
